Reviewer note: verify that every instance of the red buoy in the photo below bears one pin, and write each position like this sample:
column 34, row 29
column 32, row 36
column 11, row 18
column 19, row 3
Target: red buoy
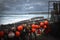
column 45, row 26
column 1, row 33
column 46, row 22
column 17, row 33
column 33, row 30
column 38, row 31
column 37, row 26
column 19, row 28
column 41, row 24
column 33, row 26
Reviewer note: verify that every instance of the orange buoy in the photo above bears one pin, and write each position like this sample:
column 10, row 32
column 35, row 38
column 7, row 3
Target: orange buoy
column 17, row 33
column 19, row 28
column 46, row 22
column 1, row 33
column 33, row 30
column 45, row 26
column 41, row 24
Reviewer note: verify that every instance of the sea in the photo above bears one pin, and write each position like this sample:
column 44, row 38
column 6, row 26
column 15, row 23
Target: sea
column 9, row 19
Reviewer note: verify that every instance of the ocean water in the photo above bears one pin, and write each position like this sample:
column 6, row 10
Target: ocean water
column 8, row 19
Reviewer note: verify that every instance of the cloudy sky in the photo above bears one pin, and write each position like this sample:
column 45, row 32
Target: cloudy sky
column 21, row 6
column 15, row 6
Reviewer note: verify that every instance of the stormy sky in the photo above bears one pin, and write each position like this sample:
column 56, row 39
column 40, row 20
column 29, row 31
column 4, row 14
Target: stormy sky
column 22, row 6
